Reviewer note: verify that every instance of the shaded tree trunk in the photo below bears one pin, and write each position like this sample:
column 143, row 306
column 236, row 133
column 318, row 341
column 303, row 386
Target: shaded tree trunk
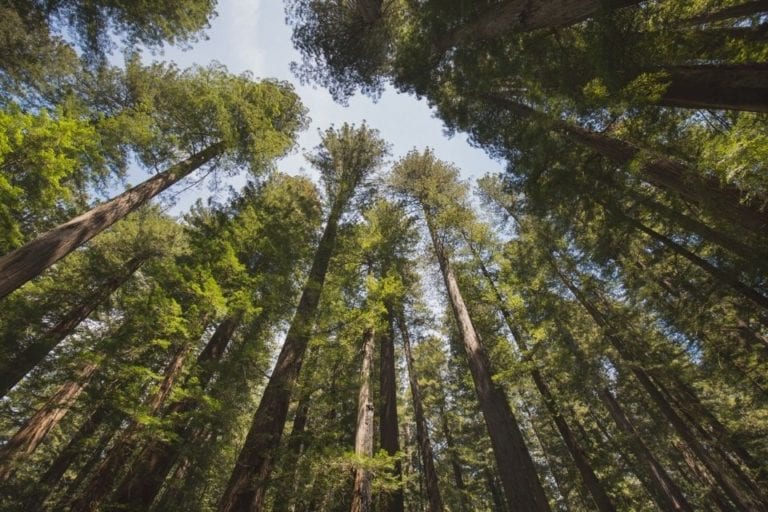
column 361, row 492
column 141, row 484
column 453, row 455
column 422, row 434
column 246, row 487
column 31, row 259
column 297, row 441
column 31, row 356
column 393, row 502
column 31, row 434
column 516, row 469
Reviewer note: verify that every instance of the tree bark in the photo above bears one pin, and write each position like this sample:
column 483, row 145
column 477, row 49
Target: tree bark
column 717, row 86
column 31, row 259
column 422, row 434
column 658, row 170
column 388, row 431
column 246, row 488
column 361, row 492
column 33, row 355
column 142, row 483
column 518, row 474
column 35, row 429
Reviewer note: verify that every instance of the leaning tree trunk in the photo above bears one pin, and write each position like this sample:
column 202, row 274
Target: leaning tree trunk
column 422, row 434
column 523, row 16
column 599, row 496
column 142, row 483
column 33, row 355
column 717, row 86
column 246, row 487
column 388, row 431
column 361, row 492
column 518, row 474
column 31, row 259
column 658, row 170
column 31, row 434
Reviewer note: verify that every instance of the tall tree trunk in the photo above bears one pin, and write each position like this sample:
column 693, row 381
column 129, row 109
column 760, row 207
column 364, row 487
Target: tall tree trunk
column 658, row 170
column 422, row 434
column 726, row 13
column 518, row 473
column 140, row 485
column 393, row 501
column 86, row 470
column 31, row 259
column 361, row 492
column 100, row 485
column 297, row 443
column 26, row 359
column 246, row 488
column 64, row 460
column 599, row 496
column 31, row 434
column 523, row 16
column 739, row 492
column 453, row 455
column 717, row 273
column 496, row 495
column 717, row 86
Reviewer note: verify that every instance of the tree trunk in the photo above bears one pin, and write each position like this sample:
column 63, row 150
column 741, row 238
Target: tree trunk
column 523, row 16
column 31, row 259
column 102, row 482
column 726, row 13
column 31, row 434
column 658, row 170
column 33, row 355
column 717, row 86
column 450, row 445
column 393, row 502
column 86, row 469
column 422, row 434
column 141, row 484
column 297, row 443
column 361, row 493
column 246, row 488
column 600, row 498
column 518, row 474
column 718, row 274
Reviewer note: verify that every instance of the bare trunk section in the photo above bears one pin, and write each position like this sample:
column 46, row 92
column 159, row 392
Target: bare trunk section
column 717, row 86
column 246, row 488
column 523, row 16
column 598, row 494
column 422, row 434
column 516, row 469
column 388, row 431
column 658, row 170
column 734, row 11
column 31, row 434
column 361, row 492
column 33, row 355
column 31, row 259
column 142, row 483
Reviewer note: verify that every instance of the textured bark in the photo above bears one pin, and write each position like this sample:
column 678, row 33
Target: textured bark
column 27, row 359
column 361, row 491
column 658, row 170
column 523, row 16
column 394, row 501
column 734, row 11
column 31, row 434
column 717, row 86
column 31, row 259
column 600, row 498
column 100, row 485
column 422, row 434
column 516, row 469
column 717, row 273
column 246, row 487
column 141, row 484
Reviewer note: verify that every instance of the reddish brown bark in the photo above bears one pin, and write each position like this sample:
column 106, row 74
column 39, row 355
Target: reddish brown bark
column 717, row 86
column 31, row 434
column 31, row 259
column 361, row 491
column 422, row 434
column 388, row 431
column 31, row 356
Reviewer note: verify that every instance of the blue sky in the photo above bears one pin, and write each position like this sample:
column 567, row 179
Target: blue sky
column 251, row 35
